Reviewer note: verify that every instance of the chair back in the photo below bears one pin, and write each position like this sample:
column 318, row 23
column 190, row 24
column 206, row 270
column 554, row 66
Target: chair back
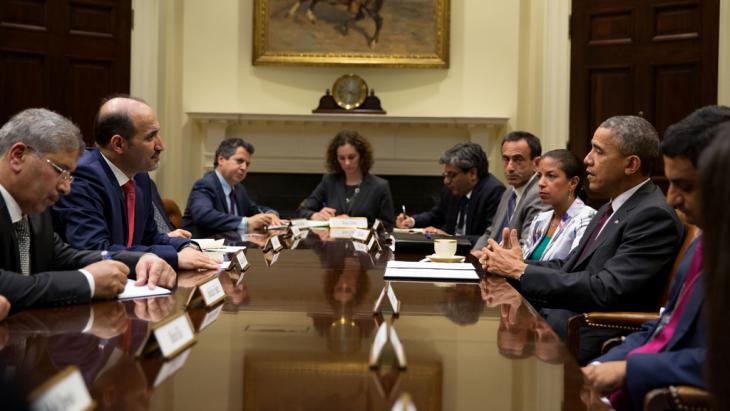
column 173, row 212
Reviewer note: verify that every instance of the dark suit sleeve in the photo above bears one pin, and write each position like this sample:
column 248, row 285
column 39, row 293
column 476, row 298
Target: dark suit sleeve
column 436, row 217
column 648, row 244
column 201, row 206
column 314, row 202
column 645, row 372
column 387, row 211
column 43, row 289
column 632, row 341
column 66, row 257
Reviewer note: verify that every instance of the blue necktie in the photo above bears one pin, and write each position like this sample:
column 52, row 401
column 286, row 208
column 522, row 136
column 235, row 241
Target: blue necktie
column 507, row 217
column 463, row 205
column 232, row 205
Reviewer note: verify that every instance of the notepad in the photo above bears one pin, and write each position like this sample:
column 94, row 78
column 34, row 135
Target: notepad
column 424, row 271
column 133, row 291
column 209, row 243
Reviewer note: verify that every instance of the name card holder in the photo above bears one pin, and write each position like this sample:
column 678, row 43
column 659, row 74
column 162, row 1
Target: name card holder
column 64, row 391
column 292, row 243
column 273, row 244
column 404, row 403
column 387, row 383
column 361, row 235
column 378, row 227
column 270, row 258
column 392, row 299
column 239, row 262
column 211, row 292
column 386, row 334
column 294, row 232
column 202, row 317
column 170, row 336
column 157, row 369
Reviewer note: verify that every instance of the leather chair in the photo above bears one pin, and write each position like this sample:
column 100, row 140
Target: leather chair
column 669, row 398
column 173, row 212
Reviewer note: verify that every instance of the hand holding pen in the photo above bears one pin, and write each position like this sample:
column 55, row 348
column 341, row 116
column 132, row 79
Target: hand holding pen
column 403, row 220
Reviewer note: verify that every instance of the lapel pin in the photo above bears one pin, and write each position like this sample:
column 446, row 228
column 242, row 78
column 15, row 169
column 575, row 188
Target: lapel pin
column 615, row 222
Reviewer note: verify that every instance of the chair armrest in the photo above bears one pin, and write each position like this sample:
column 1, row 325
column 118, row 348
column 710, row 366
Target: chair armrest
column 626, row 321
column 682, row 397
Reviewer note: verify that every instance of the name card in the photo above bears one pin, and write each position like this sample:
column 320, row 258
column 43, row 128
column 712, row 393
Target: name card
column 239, row 262
column 352, row 222
column 373, row 241
column 210, row 291
column 171, row 367
column 361, row 235
column 294, row 231
column 360, row 247
column 210, row 317
column 392, row 299
column 273, row 244
column 270, row 258
column 378, row 225
column 65, row 391
column 171, row 336
column 386, row 334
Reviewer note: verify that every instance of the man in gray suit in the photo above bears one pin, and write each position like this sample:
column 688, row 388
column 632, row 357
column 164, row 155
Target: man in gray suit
column 520, row 203
column 623, row 260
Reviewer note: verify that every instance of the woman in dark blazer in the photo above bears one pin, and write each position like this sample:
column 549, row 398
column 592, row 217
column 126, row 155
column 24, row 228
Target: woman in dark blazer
column 349, row 189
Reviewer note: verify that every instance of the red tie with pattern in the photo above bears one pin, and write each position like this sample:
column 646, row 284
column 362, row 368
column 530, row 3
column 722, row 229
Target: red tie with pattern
column 128, row 188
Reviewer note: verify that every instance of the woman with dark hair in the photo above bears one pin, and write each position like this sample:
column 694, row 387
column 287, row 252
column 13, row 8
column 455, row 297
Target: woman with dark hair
column 554, row 233
column 714, row 171
column 350, row 190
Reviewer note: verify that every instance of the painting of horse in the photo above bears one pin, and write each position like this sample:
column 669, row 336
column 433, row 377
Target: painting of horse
column 400, row 33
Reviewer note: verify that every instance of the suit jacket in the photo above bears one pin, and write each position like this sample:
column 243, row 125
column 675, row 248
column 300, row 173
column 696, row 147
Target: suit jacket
column 523, row 214
column 206, row 213
column 624, row 270
column 55, row 279
column 94, row 217
column 372, row 201
column 163, row 222
column 681, row 361
column 479, row 215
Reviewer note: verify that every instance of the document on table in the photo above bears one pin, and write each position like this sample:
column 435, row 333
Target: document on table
column 408, row 230
column 209, row 243
column 317, row 223
column 133, row 291
column 423, row 271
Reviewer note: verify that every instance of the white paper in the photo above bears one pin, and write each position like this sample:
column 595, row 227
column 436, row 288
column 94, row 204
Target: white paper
column 210, row 244
column 342, row 232
column 361, row 234
column 317, row 223
column 408, row 230
column 352, row 222
column 431, row 275
column 300, row 222
column 430, row 265
column 224, row 265
column 231, row 249
column 133, row 291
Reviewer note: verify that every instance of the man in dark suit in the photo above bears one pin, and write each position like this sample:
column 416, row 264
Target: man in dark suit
column 110, row 204
column 622, row 262
column 670, row 351
column 521, row 203
column 468, row 200
column 219, row 203
column 39, row 149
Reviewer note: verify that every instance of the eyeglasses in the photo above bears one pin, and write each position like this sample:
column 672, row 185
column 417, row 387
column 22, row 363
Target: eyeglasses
column 63, row 174
column 450, row 175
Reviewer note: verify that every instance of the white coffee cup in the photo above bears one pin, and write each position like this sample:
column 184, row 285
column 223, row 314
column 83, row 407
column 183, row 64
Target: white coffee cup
column 444, row 247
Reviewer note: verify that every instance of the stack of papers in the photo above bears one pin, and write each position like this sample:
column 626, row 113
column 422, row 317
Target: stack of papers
column 133, row 291
column 425, row 271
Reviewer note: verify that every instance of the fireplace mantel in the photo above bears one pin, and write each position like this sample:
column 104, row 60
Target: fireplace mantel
column 295, row 143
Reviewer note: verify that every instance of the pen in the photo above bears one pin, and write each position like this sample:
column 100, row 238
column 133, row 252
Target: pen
column 403, row 207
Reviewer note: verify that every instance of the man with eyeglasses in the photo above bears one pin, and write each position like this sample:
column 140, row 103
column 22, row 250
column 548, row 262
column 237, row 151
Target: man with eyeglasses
column 468, row 200
column 110, row 206
column 39, row 149
column 521, row 203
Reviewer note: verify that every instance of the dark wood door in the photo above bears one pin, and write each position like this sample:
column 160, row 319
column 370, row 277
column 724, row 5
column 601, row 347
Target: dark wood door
column 64, row 55
column 654, row 58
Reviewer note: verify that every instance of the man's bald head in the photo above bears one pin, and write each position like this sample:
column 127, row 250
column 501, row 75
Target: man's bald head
column 114, row 118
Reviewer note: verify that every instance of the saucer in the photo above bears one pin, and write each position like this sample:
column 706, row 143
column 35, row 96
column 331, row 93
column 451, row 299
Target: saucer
column 453, row 259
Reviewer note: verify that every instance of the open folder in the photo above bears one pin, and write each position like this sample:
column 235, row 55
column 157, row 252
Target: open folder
column 426, row 271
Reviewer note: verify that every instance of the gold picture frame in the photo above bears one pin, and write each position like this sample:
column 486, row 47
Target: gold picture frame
column 413, row 33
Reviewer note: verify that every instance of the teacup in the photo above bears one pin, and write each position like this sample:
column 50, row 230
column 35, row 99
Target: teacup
column 444, row 247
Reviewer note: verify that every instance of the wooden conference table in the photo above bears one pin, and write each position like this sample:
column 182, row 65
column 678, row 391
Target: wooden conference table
column 296, row 335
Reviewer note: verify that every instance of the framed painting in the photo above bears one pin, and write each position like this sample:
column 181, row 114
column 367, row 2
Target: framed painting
column 395, row 33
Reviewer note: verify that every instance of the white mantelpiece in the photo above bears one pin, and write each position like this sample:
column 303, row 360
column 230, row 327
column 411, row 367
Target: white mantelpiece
column 296, row 143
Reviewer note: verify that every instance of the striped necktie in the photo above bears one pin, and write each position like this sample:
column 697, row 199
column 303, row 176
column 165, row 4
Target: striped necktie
column 22, row 231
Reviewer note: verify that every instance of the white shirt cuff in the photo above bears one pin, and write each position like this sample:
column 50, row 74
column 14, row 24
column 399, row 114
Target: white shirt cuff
column 243, row 227
column 89, row 323
column 90, row 279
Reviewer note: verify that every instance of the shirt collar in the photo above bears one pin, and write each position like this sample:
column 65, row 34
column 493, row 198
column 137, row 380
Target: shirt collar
column 226, row 187
column 16, row 214
column 468, row 195
column 622, row 198
column 521, row 190
column 121, row 177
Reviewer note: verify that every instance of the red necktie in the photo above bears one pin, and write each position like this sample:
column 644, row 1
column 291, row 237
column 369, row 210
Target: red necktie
column 128, row 188
column 660, row 340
